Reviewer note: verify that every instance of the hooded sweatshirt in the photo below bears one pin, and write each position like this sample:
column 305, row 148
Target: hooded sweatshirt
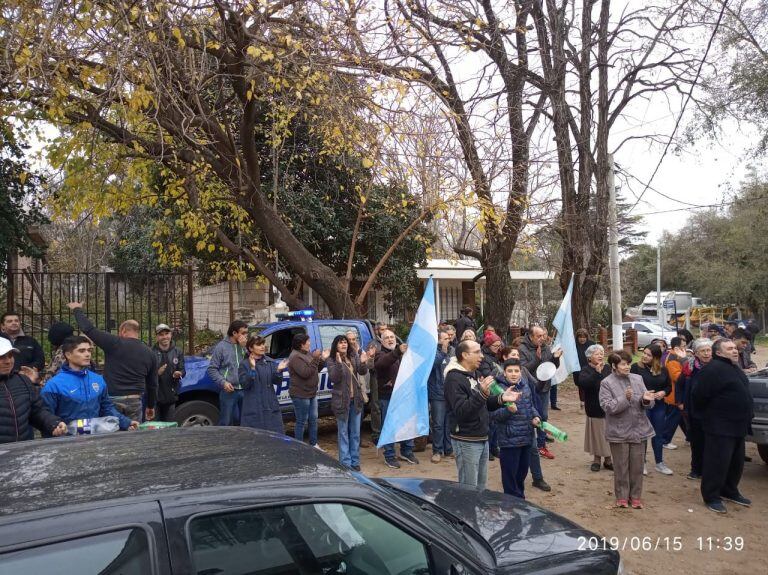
column 468, row 406
column 80, row 394
column 225, row 363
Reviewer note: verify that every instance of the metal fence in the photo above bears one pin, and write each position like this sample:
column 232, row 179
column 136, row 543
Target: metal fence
column 40, row 299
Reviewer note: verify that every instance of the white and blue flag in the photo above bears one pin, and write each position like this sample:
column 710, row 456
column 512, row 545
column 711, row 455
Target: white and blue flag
column 565, row 339
column 408, row 411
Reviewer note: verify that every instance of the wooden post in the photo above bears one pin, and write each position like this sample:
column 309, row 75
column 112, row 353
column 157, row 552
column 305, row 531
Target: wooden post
column 190, row 313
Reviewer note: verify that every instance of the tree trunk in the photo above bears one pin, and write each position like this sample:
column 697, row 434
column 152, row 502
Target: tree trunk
column 499, row 294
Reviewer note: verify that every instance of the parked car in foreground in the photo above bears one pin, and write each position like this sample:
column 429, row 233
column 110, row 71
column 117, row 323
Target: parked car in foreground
column 647, row 331
column 758, row 386
column 232, row 501
column 199, row 396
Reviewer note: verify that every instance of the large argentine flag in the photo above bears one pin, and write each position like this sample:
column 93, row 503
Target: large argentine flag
column 408, row 411
column 565, row 339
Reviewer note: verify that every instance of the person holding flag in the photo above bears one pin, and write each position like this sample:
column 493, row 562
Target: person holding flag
column 402, row 373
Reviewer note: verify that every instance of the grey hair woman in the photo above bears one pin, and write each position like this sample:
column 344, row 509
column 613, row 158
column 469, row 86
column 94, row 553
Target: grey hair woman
column 588, row 382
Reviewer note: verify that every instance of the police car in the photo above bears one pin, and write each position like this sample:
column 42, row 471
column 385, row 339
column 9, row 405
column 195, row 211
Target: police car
column 199, row 396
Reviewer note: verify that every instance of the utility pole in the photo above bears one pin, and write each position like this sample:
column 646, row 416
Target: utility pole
column 613, row 261
column 659, row 317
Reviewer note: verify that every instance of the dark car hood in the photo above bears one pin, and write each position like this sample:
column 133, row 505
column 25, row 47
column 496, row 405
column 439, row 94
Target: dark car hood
column 516, row 530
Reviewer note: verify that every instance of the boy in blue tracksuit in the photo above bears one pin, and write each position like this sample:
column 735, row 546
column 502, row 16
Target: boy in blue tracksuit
column 515, row 427
column 78, row 393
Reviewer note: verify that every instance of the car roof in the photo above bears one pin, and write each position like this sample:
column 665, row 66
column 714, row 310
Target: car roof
column 50, row 473
column 294, row 323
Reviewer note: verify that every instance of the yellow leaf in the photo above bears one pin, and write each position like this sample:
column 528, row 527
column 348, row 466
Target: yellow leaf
column 23, row 177
column 367, row 163
column 253, row 51
column 211, row 247
column 200, row 246
column 177, row 34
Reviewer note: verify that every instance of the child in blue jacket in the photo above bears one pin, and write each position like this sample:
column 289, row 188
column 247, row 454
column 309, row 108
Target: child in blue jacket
column 78, row 393
column 515, row 427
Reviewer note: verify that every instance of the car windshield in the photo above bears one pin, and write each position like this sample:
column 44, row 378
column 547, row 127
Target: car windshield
column 451, row 524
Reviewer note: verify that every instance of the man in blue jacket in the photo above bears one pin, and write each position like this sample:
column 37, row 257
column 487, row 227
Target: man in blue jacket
column 441, row 438
column 78, row 393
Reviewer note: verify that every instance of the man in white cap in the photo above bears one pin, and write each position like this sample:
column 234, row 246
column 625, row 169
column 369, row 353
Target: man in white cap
column 170, row 361
column 21, row 408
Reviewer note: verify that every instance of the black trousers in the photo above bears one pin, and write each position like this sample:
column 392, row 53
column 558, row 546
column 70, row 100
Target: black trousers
column 165, row 412
column 722, row 467
column 696, row 437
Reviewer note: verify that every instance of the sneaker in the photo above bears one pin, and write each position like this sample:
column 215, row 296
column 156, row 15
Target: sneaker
column 739, row 500
column 317, row 446
column 635, row 503
column 608, row 465
column 717, row 507
column 410, row 458
column 595, row 466
column 495, row 451
column 622, row 503
column 645, row 469
column 435, row 458
column 670, row 446
column 662, row 468
column 392, row 462
column 544, row 452
column 555, row 408
column 490, row 456
column 693, row 475
column 541, row 484
column 355, row 468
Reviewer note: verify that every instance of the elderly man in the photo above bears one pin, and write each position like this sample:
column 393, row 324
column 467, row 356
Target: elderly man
column 722, row 399
column 21, row 408
column 387, row 364
column 130, row 367
column 470, row 401
column 534, row 351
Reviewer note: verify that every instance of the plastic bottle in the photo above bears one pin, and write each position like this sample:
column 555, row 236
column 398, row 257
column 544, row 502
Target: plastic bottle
column 557, row 434
column 93, row 426
column 496, row 389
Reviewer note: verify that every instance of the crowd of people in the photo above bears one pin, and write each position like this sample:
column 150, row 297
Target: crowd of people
column 485, row 398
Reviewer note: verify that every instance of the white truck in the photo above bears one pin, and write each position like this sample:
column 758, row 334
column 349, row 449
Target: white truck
column 672, row 302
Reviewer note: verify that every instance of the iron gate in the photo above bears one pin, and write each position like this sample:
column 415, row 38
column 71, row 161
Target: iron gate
column 40, row 298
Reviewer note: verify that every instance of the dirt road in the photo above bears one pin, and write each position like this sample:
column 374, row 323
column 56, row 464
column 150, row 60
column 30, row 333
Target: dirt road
column 674, row 523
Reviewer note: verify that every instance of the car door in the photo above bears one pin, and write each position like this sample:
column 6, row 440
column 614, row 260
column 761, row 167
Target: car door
column 111, row 540
column 301, row 532
column 279, row 340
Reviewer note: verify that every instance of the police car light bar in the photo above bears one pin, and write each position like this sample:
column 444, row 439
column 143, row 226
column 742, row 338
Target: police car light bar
column 301, row 314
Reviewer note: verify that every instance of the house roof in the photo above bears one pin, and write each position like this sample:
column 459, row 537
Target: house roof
column 467, row 270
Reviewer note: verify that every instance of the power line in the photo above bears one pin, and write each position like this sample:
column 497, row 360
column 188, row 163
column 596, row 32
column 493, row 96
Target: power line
column 685, row 104
column 662, row 194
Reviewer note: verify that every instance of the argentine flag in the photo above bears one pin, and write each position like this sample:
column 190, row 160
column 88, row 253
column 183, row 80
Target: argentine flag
column 408, row 412
column 565, row 339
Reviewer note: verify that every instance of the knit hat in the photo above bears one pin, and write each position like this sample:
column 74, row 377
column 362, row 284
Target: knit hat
column 58, row 332
column 490, row 338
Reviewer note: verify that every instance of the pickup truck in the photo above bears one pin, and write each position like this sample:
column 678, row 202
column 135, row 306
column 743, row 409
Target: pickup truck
column 758, row 386
column 199, row 397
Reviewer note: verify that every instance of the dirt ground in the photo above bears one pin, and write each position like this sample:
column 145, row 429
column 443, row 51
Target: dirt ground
column 672, row 521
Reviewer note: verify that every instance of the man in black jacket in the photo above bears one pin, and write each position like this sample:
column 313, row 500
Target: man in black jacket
column 21, row 408
column 30, row 352
column 724, row 405
column 469, row 401
column 465, row 322
column 170, row 361
column 130, row 367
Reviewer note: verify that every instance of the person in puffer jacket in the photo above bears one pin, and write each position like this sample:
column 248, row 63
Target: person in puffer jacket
column 515, row 427
column 78, row 393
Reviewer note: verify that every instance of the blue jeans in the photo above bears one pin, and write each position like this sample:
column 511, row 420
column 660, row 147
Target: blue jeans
column 471, row 462
column 514, row 469
column 406, row 447
column 535, row 461
column 672, row 419
column 541, row 436
column 658, row 414
column 305, row 410
column 553, row 396
column 349, row 437
column 230, row 406
column 441, row 437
